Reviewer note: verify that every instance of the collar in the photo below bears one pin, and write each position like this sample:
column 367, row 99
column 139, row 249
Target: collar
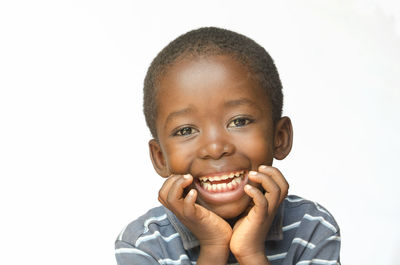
column 190, row 241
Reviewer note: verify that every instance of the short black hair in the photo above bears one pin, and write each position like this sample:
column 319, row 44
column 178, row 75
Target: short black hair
column 213, row 41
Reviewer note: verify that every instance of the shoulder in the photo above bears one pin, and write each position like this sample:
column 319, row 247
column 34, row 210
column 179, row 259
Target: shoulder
column 151, row 221
column 310, row 230
column 150, row 239
column 300, row 209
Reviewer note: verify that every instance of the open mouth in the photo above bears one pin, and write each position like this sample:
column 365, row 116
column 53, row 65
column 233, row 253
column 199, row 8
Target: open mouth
column 222, row 183
column 221, row 188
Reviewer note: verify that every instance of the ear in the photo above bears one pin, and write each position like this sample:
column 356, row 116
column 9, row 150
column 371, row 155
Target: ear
column 283, row 138
column 157, row 158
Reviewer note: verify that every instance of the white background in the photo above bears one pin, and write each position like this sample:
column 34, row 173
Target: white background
column 74, row 163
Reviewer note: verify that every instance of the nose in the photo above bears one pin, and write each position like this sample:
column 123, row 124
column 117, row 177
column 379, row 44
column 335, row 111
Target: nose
column 215, row 144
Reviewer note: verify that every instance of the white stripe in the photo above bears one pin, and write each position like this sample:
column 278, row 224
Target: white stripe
column 318, row 261
column 303, row 243
column 153, row 236
column 178, row 261
column 334, row 238
column 288, row 227
column 319, row 208
column 321, row 220
column 277, row 256
column 294, row 200
column 122, row 232
column 153, row 219
column 131, row 251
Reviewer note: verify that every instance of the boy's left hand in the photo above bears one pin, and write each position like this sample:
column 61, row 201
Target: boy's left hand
column 249, row 232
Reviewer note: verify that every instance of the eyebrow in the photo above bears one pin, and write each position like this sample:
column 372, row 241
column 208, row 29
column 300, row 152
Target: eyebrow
column 229, row 103
column 181, row 112
column 238, row 102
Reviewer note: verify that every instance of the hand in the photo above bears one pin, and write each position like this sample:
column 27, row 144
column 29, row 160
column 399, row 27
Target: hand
column 213, row 232
column 249, row 233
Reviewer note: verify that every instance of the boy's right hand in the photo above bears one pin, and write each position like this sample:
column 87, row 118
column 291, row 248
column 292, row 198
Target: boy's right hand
column 213, row 232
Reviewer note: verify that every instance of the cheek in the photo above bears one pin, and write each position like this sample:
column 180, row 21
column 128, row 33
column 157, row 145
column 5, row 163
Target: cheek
column 178, row 160
column 259, row 148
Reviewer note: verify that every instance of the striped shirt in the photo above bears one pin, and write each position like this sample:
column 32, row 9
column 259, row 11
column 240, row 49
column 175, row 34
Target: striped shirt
column 303, row 232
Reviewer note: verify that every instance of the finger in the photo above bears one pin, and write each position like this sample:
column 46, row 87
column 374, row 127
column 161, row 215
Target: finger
column 189, row 207
column 260, row 207
column 168, row 200
column 175, row 193
column 279, row 179
column 266, row 181
column 272, row 189
column 163, row 193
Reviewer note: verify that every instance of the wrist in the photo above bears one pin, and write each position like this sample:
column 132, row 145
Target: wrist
column 248, row 251
column 213, row 254
column 253, row 259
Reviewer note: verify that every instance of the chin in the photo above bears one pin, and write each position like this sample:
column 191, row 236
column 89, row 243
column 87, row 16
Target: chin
column 231, row 210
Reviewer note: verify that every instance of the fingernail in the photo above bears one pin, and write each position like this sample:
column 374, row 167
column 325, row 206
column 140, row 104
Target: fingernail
column 187, row 176
column 263, row 167
column 248, row 186
column 253, row 173
column 191, row 193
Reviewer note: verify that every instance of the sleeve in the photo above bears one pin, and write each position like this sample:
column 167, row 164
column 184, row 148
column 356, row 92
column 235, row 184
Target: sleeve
column 326, row 251
column 126, row 254
column 317, row 239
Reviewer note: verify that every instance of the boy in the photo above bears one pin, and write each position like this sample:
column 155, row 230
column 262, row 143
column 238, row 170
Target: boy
column 213, row 103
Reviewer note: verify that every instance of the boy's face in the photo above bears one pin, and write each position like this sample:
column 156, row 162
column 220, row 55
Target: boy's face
column 213, row 121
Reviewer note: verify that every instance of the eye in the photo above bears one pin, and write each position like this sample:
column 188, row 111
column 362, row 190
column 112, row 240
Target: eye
column 239, row 122
column 185, row 131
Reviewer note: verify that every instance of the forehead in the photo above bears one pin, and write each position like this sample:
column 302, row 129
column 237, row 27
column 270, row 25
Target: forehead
column 207, row 77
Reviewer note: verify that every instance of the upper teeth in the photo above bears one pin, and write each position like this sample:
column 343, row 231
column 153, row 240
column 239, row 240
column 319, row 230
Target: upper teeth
column 223, row 177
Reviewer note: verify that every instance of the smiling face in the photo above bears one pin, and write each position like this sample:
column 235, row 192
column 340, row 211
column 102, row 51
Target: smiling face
column 213, row 122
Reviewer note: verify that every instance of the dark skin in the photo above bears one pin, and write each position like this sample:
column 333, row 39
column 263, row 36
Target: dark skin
column 214, row 119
